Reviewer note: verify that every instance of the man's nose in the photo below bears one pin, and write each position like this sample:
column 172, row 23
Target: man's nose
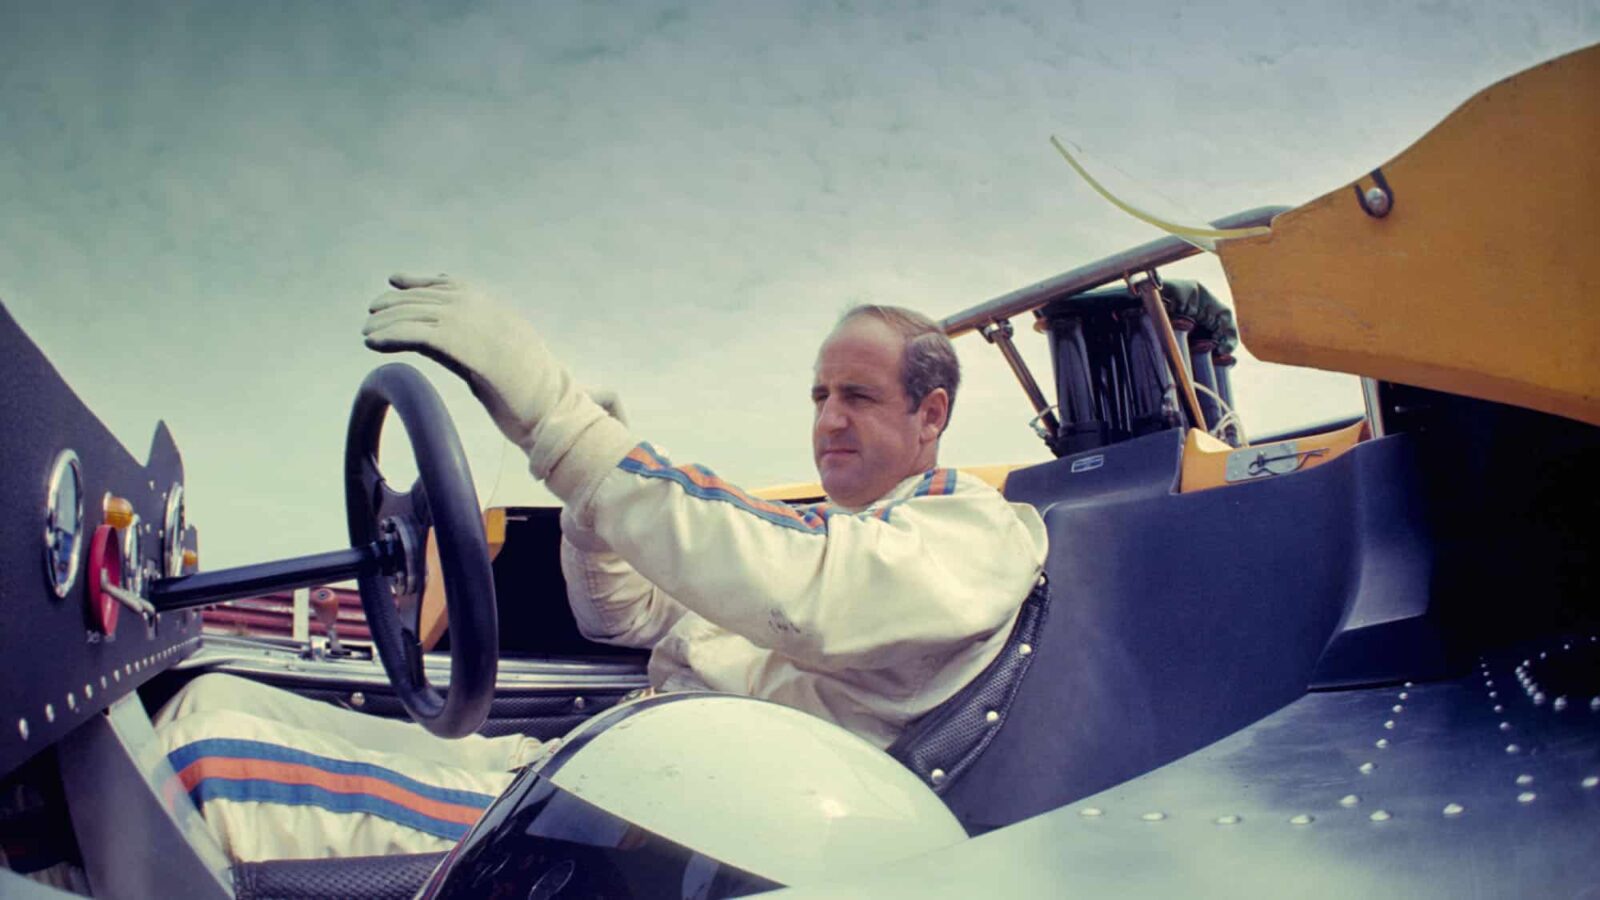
column 830, row 416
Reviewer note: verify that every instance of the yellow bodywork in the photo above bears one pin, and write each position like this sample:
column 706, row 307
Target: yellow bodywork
column 1484, row 277
column 808, row 491
column 1205, row 458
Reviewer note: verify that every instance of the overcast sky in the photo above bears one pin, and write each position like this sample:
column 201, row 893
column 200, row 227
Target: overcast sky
column 198, row 200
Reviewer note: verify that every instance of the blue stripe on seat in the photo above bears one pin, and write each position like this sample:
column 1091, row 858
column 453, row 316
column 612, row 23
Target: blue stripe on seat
column 237, row 748
column 263, row 791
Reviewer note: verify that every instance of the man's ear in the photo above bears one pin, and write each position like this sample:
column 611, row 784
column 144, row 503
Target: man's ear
column 934, row 412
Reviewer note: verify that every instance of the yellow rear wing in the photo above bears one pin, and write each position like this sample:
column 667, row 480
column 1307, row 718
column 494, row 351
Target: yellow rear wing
column 1470, row 263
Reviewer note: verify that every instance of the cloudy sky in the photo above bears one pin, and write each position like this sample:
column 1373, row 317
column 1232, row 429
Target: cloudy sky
column 198, row 200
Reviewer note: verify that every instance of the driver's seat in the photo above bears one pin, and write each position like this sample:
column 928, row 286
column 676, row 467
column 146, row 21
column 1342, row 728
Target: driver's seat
column 942, row 744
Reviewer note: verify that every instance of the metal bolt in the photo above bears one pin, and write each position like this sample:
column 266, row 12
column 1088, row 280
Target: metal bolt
column 1301, row 819
column 1381, row 743
column 102, row 681
column 1349, row 800
column 580, row 703
column 1380, row 815
column 1389, row 724
column 1513, row 748
column 1527, row 797
column 1524, row 780
column 1538, row 698
column 1505, row 726
column 1408, row 684
column 1453, row 809
column 1228, row 820
column 1594, row 704
column 1404, row 696
column 49, row 713
column 115, row 675
column 1155, row 816
column 1559, row 704
column 1591, row 782
column 1378, row 201
column 936, row 776
column 358, row 699
column 72, row 700
column 1091, row 812
column 1398, row 708
column 22, row 728
column 1493, row 694
column 1025, row 650
column 88, row 691
column 1543, row 655
column 991, row 717
column 1498, row 708
column 1365, row 768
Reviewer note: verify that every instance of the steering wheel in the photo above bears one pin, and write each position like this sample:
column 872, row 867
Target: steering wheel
column 442, row 498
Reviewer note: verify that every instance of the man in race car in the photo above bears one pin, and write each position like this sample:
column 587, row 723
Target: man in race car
column 867, row 610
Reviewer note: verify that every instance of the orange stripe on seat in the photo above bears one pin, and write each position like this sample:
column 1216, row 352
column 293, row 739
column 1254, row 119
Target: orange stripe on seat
column 292, row 773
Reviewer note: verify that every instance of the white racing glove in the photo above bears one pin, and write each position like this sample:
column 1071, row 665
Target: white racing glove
column 570, row 441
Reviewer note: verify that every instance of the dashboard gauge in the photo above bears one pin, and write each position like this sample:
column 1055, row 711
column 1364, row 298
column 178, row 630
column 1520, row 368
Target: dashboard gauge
column 172, row 533
column 133, row 558
column 63, row 522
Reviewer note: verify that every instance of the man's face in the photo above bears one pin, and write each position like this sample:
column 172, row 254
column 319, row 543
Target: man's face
column 864, row 439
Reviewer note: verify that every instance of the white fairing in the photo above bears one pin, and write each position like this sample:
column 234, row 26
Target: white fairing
column 763, row 787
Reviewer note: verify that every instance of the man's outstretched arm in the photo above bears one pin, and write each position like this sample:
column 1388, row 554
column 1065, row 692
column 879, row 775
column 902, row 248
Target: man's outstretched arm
column 845, row 592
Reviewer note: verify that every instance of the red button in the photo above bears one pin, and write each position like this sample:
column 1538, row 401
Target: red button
column 105, row 555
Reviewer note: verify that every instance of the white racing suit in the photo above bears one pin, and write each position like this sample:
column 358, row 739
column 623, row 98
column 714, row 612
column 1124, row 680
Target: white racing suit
column 867, row 618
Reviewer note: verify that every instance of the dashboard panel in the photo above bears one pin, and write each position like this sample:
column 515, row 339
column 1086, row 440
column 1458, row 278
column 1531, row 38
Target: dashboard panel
column 84, row 530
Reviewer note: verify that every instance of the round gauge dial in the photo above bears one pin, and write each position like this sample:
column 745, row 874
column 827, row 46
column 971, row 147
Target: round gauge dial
column 172, row 533
column 132, row 558
column 63, row 522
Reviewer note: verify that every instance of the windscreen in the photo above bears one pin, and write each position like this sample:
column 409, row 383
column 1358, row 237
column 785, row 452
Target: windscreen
column 548, row 843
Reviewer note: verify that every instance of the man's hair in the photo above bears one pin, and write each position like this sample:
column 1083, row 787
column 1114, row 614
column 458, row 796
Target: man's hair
column 928, row 362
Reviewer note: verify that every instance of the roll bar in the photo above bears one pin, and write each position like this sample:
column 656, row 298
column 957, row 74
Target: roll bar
column 1158, row 252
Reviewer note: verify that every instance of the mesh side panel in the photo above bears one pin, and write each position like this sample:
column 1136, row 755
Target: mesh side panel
column 355, row 878
column 950, row 737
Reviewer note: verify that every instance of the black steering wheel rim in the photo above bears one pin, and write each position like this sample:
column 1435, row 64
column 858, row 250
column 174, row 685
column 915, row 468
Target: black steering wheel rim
column 442, row 497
